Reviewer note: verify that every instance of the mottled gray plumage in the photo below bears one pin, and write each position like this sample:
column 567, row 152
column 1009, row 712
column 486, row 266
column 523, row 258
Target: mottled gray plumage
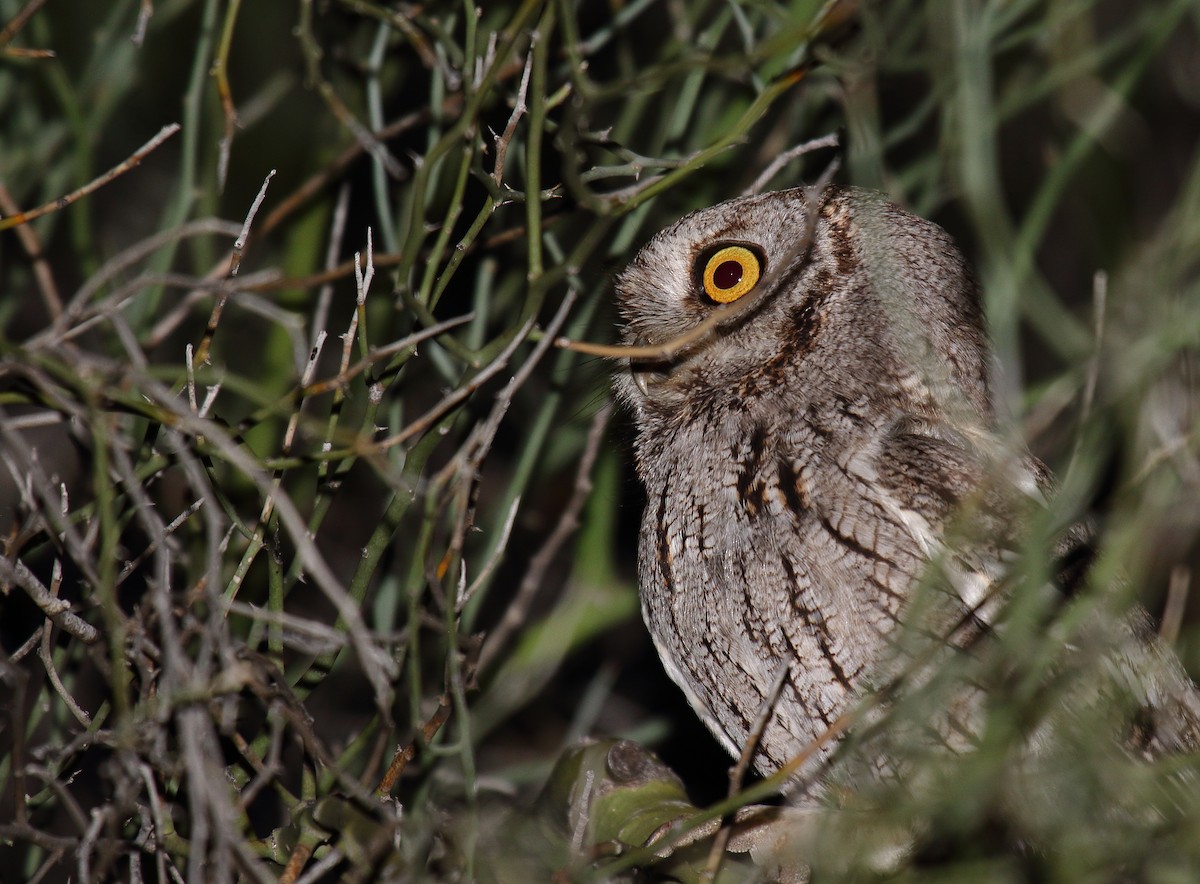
column 802, row 461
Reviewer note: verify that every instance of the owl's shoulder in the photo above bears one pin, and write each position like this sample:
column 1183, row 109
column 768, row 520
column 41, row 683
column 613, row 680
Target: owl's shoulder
column 928, row 465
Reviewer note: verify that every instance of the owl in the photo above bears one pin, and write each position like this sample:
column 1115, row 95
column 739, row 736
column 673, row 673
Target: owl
column 804, row 457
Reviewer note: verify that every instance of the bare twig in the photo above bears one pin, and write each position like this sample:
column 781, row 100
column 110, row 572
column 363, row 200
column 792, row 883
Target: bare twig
column 319, row 632
column 377, row 664
column 108, row 308
column 56, row 609
column 493, row 560
column 337, row 231
column 519, row 110
column 289, row 206
column 18, row 52
column 737, row 773
column 468, row 463
column 635, row 164
column 189, row 362
column 349, row 372
column 458, row 396
column 11, row 832
column 19, row 21
column 295, row 865
column 70, row 804
column 28, row 645
column 407, row 753
column 116, row 171
column 33, row 248
column 157, row 815
column 119, row 263
column 239, row 244
column 235, row 262
column 145, row 13
column 46, row 654
column 518, row 608
column 88, row 844
column 52, row 860
column 773, row 168
column 152, row 548
column 318, row 869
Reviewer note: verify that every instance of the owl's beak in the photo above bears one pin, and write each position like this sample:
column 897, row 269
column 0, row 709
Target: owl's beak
column 647, row 377
column 643, row 383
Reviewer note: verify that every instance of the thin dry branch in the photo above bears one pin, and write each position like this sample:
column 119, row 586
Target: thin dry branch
column 737, row 775
column 518, row 608
column 289, row 206
column 377, row 664
column 458, row 396
column 503, row 140
column 773, row 168
column 450, row 108
column 116, row 171
column 117, row 264
column 406, row 754
column 337, row 232
column 46, row 655
column 145, row 13
column 19, row 21
column 45, row 500
column 33, row 248
column 378, row 355
column 468, row 464
column 109, row 307
column 312, row 630
column 239, row 245
column 235, row 262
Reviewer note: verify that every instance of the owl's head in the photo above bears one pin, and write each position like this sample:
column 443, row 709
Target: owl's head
column 878, row 304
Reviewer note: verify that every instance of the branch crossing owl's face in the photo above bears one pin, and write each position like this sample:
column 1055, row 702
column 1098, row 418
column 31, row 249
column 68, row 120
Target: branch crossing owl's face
column 879, row 301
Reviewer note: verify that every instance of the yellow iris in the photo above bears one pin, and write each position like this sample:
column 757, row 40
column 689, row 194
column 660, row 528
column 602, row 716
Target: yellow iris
column 730, row 273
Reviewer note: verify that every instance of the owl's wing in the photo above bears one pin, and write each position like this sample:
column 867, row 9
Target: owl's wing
column 934, row 478
column 937, row 477
column 932, row 469
column 928, row 468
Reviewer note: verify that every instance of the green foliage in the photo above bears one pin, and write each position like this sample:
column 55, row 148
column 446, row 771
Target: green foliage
column 301, row 572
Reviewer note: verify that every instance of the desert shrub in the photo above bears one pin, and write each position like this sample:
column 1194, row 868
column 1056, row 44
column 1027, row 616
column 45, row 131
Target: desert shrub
column 317, row 549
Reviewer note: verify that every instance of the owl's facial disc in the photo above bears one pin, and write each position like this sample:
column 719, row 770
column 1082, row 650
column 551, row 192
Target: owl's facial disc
column 729, row 271
column 722, row 272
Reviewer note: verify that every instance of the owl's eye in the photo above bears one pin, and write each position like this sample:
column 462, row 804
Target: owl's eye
column 731, row 272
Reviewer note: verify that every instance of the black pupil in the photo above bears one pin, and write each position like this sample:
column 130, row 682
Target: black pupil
column 728, row 274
